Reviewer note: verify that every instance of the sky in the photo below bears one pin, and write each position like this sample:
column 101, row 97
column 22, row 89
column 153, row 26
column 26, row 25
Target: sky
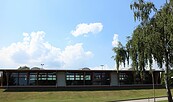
column 64, row 34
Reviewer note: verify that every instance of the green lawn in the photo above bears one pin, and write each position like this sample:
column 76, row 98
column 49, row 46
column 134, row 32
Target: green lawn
column 78, row 96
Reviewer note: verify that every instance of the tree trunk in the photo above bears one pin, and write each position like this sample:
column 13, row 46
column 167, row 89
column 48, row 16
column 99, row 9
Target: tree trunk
column 167, row 80
column 168, row 89
column 167, row 63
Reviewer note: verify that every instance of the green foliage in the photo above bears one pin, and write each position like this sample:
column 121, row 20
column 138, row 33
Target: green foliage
column 170, row 77
column 142, row 10
column 121, row 55
column 153, row 38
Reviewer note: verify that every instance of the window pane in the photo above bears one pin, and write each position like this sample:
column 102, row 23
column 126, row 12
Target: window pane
column 77, row 78
column 22, row 81
column 88, row 77
column 33, row 79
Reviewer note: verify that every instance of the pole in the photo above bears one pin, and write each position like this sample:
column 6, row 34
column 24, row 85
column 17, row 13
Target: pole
column 102, row 66
column 7, row 78
column 153, row 87
column 42, row 65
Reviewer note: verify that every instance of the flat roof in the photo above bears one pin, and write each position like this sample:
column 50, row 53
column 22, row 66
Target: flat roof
column 53, row 70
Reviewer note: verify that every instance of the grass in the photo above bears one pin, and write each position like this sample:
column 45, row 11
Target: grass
column 78, row 96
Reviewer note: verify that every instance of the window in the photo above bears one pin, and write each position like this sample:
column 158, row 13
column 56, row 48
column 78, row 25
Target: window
column 79, row 76
column 126, row 78
column 22, row 79
column 70, row 76
column 101, row 78
column 87, row 77
column 47, row 78
column 33, row 79
column 97, row 76
column 13, row 78
column 51, row 76
column 122, row 76
column 76, row 78
column 42, row 76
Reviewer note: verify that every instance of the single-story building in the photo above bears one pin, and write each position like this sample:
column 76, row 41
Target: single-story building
column 71, row 78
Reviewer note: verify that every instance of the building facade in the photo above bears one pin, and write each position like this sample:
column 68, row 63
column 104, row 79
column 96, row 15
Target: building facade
column 64, row 78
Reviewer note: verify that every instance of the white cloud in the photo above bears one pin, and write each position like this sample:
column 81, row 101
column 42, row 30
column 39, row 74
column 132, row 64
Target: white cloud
column 84, row 29
column 73, row 54
column 34, row 50
column 115, row 41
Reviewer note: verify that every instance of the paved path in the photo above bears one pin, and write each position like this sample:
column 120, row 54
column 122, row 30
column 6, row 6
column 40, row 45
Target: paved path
column 146, row 100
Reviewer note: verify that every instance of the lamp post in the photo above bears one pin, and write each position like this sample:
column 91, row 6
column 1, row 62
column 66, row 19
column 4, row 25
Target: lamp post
column 42, row 65
column 102, row 66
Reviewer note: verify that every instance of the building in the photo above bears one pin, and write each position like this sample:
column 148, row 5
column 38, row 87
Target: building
column 75, row 78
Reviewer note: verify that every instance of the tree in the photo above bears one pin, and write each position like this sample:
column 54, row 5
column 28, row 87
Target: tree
column 120, row 56
column 151, row 40
column 159, row 27
column 141, row 50
column 164, row 20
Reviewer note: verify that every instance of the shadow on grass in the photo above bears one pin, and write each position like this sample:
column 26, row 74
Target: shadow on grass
column 76, row 88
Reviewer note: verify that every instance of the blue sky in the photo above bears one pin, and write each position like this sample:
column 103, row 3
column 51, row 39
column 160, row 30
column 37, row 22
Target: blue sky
column 63, row 34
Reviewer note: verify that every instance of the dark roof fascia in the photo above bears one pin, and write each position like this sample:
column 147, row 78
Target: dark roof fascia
column 46, row 70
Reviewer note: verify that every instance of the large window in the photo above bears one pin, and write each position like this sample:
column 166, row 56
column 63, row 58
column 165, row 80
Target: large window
column 88, row 78
column 42, row 76
column 47, row 78
column 51, row 78
column 126, row 78
column 33, row 79
column 79, row 76
column 101, row 78
column 22, row 79
column 76, row 78
column 12, row 78
column 122, row 76
column 15, row 78
column 70, row 76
